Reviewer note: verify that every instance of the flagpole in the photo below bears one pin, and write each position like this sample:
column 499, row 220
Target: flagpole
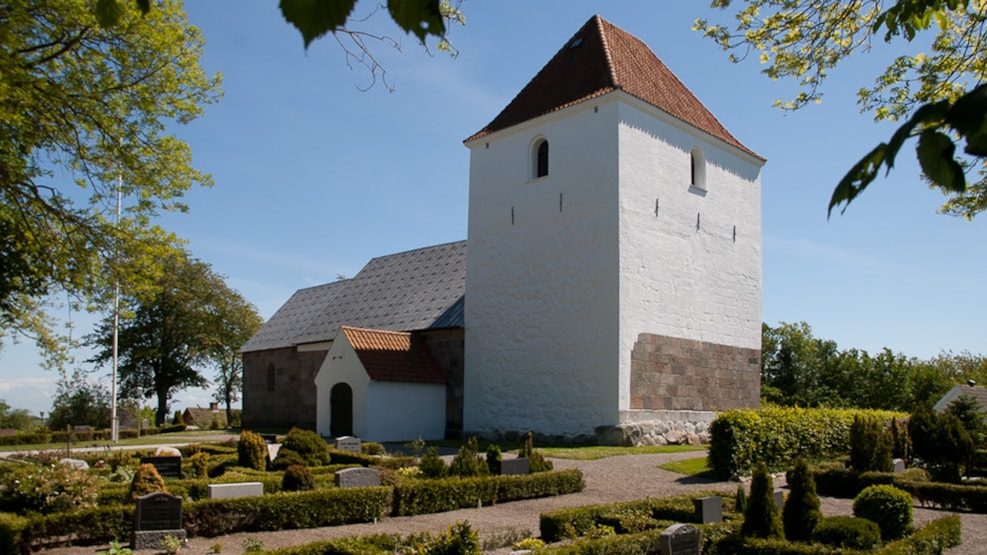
column 115, row 425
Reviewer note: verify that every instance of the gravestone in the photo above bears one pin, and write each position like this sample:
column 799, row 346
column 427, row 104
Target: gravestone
column 780, row 498
column 357, row 478
column 232, row 491
column 515, row 467
column 167, row 467
column 349, row 443
column 679, row 539
column 709, row 509
column 899, row 465
column 158, row 515
column 75, row 463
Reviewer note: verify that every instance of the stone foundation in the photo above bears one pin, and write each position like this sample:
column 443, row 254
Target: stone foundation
column 662, row 427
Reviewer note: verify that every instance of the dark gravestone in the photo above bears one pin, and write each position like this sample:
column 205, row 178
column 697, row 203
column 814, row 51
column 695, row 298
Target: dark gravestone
column 780, row 498
column 167, row 467
column 158, row 515
column 679, row 539
column 709, row 509
column 357, row 478
column 515, row 467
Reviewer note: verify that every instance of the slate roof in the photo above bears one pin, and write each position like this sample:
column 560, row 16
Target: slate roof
column 601, row 58
column 394, row 356
column 409, row 291
column 977, row 392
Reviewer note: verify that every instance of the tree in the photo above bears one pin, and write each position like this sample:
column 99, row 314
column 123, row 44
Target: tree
column 173, row 332
column 18, row 419
column 801, row 513
column 762, row 519
column 235, row 321
column 85, row 109
column 79, row 401
column 939, row 84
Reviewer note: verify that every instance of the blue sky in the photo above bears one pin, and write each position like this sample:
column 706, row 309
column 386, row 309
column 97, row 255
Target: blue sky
column 313, row 177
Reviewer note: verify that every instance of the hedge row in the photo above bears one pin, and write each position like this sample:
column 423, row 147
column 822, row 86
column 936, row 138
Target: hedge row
column 321, row 507
column 840, row 482
column 417, row 497
column 377, row 544
column 778, row 435
column 557, row 525
column 41, row 438
column 644, row 543
column 932, row 539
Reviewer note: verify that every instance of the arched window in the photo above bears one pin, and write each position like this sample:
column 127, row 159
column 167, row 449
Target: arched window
column 539, row 159
column 697, row 170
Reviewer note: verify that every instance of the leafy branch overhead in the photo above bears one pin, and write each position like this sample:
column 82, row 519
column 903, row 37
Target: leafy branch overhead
column 936, row 90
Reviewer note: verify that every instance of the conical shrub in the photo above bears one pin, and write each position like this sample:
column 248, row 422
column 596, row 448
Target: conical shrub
column 801, row 513
column 762, row 519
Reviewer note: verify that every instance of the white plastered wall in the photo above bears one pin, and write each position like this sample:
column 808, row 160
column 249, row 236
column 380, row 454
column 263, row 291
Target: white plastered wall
column 342, row 365
column 683, row 271
column 542, row 285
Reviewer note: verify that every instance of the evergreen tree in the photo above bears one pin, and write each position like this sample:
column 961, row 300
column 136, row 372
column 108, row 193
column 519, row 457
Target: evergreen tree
column 762, row 519
column 801, row 513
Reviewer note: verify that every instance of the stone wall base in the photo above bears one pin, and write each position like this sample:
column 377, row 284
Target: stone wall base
column 154, row 539
column 658, row 427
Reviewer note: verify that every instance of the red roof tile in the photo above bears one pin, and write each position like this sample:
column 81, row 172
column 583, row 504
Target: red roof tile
column 392, row 356
column 598, row 59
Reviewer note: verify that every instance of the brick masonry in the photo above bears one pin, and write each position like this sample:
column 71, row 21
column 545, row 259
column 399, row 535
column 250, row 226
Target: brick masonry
column 669, row 373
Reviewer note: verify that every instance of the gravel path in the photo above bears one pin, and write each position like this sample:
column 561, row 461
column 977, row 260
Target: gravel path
column 608, row 480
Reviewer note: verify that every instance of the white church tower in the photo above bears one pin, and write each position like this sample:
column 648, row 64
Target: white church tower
column 613, row 281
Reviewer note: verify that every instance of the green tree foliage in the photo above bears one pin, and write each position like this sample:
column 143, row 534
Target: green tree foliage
column 969, row 412
column 302, row 447
column 79, row 402
column 536, row 461
column 888, row 506
column 938, row 81
column 146, row 480
column 801, row 513
column 252, row 451
column 173, row 332
column 432, row 465
column 235, row 322
column 82, row 106
column 18, row 419
column 46, row 488
column 762, row 519
column 940, row 443
column 870, row 445
column 493, row 458
column 297, row 477
column 468, row 461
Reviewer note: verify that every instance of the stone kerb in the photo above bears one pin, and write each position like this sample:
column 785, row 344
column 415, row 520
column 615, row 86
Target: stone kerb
column 158, row 515
column 234, row 490
column 679, row 539
column 357, row 478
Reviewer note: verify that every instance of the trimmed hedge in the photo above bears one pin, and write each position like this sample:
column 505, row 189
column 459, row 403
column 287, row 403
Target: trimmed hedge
column 415, row 497
column 377, row 544
column 42, row 438
column 778, row 435
column 555, row 525
column 837, row 481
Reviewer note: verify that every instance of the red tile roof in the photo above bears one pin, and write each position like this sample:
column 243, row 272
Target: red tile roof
column 601, row 58
column 393, row 356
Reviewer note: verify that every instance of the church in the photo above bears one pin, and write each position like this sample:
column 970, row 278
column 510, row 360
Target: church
column 609, row 289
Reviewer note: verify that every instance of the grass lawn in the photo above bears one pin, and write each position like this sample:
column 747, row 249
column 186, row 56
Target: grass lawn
column 188, row 436
column 690, row 467
column 593, row 452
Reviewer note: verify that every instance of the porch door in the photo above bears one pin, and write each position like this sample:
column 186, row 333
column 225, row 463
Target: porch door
column 341, row 410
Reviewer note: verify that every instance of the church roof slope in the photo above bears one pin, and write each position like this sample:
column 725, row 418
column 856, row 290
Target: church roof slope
column 282, row 329
column 601, row 58
column 391, row 356
column 977, row 392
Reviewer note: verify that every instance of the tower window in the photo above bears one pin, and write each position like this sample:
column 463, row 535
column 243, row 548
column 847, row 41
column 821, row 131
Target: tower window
column 540, row 159
column 697, row 169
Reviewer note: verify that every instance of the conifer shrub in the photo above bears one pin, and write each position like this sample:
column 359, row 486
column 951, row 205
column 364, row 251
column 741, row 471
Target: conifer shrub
column 468, row 462
column 536, row 461
column 888, row 506
column 146, row 480
column 493, row 458
column 432, row 465
column 762, row 519
column 847, row 532
column 302, row 447
column 200, row 462
column 297, row 478
column 801, row 513
column 741, row 502
column 870, row 445
column 178, row 419
column 252, row 451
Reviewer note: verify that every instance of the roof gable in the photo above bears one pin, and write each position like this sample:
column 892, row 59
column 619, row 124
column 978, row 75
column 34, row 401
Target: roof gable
column 598, row 59
column 977, row 392
column 391, row 356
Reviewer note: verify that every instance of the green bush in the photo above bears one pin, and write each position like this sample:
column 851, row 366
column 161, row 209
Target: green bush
column 458, row 539
column 297, row 478
column 762, row 519
column 302, row 447
column 536, row 461
column 493, row 458
column 372, row 448
column 870, row 445
column 200, row 462
column 467, row 462
column 146, row 480
column 252, row 451
column 801, row 513
column 847, row 531
column 940, row 442
column 47, row 488
column 932, row 539
column 741, row 503
column 888, row 506
column 432, row 465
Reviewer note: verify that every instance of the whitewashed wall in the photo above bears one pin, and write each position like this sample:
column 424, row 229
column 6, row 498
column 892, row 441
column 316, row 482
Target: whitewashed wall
column 342, row 365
